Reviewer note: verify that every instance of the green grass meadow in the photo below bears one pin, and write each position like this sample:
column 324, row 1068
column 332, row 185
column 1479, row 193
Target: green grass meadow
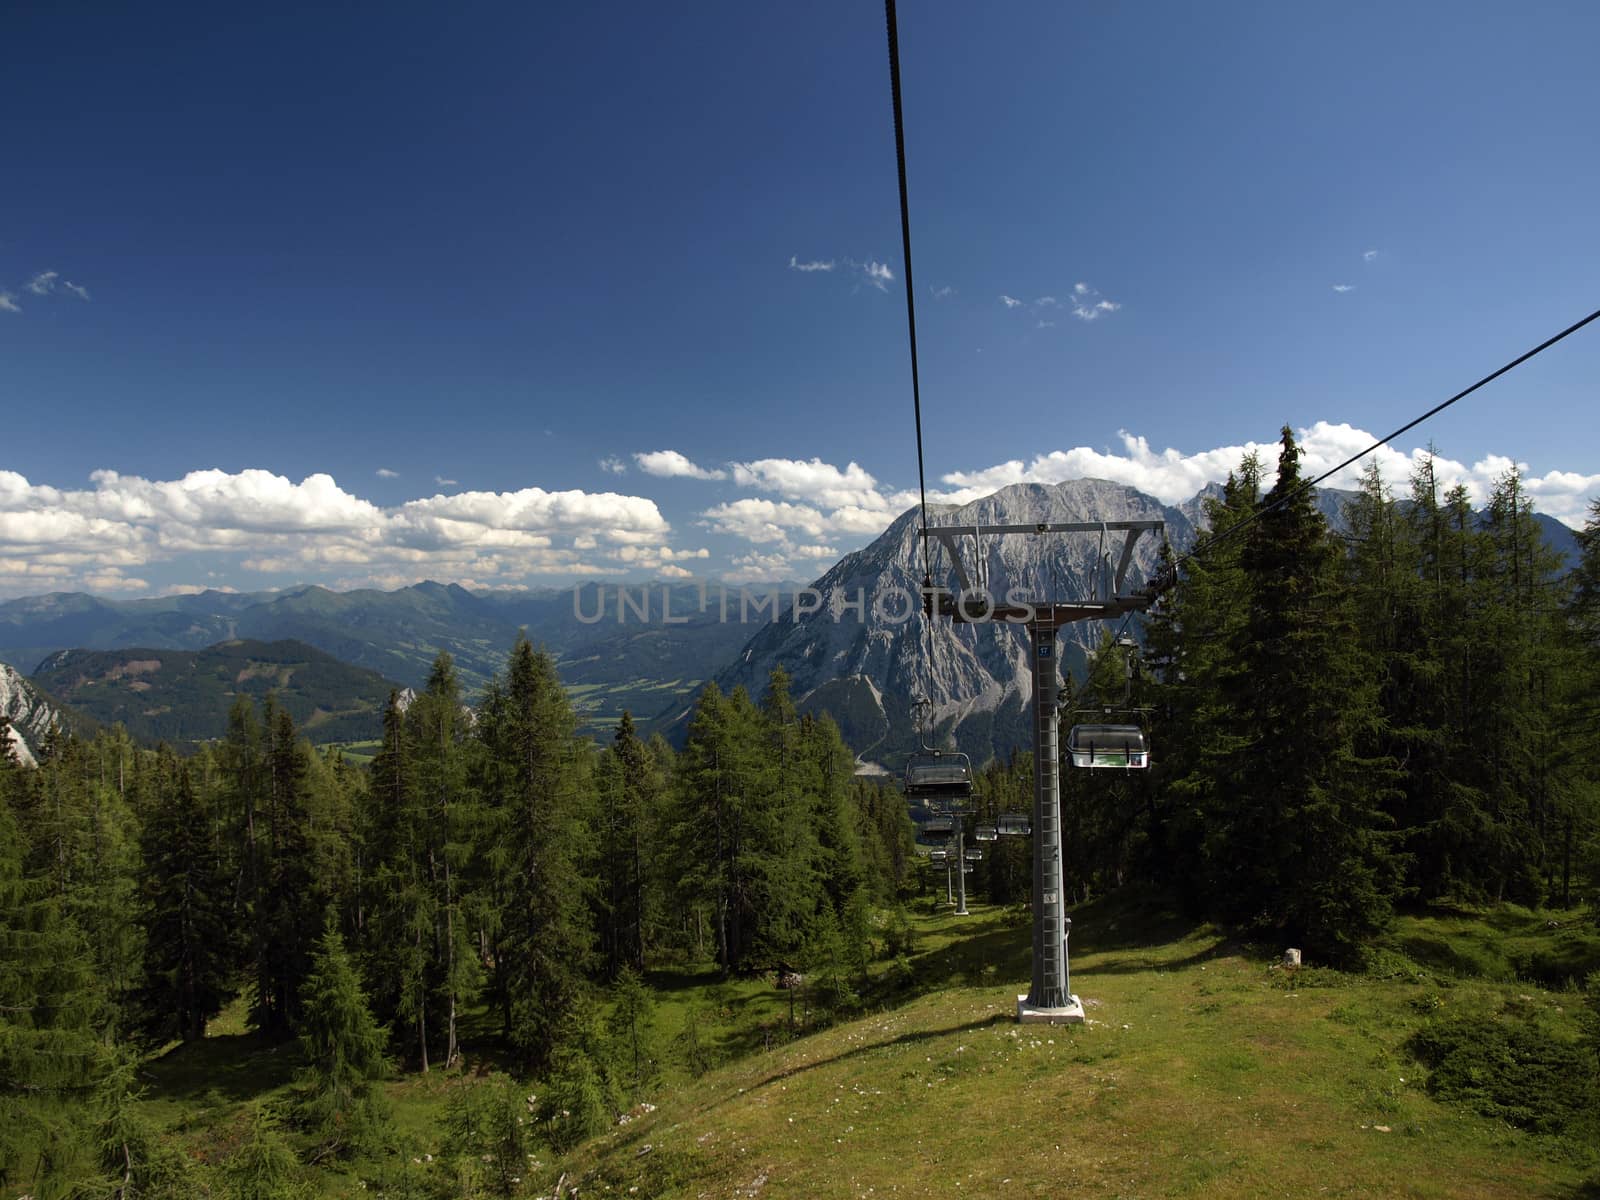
column 1205, row 1069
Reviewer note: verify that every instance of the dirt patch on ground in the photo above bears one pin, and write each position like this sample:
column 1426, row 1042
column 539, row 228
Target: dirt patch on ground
column 137, row 666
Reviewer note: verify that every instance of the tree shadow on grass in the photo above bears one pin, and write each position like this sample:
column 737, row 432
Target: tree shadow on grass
column 905, row 1039
column 234, row 1066
column 1134, row 964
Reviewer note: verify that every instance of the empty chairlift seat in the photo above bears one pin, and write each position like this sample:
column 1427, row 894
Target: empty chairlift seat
column 985, row 831
column 938, row 827
column 1119, row 746
column 938, row 775
column 973, row 854
column 1014, row 825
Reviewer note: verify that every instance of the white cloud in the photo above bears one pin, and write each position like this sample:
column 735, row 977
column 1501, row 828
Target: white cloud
column 671, row 572
column 82, row 293
column 942, row 293
column 670, row 464
column 878, row 275
column 811, row 480
column 113, row 580
column 8, row 302
column 1369, row 255
column 1089, row 305
column 757, row 520
column 192, row 589
column 386, row 473
column 441, row 481
column 43, row 283
column 1341, row 288
column 51, row 537
column 613, row 465
column 1046, row 302
column 759, row 568
column 1173, row 477
column 1010, row 301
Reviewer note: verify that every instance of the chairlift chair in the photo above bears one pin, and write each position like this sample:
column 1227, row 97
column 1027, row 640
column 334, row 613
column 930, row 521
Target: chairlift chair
column 938, row 857
column 1014, row 825
column 974, row 854
column 938, row 775
column 985, row 831
column 1119, row 746
column 938, row 827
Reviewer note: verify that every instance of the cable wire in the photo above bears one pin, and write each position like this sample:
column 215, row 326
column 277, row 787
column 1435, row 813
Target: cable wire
column 1212, row 542
column 911, row 296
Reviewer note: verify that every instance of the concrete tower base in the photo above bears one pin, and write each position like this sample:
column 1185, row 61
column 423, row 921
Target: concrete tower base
column 1069, row 1014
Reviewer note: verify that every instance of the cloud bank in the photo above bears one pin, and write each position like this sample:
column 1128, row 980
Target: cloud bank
column 261, row 522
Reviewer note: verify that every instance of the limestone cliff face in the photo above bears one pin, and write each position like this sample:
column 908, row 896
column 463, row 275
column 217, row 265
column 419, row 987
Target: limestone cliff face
column 863, row 654
column 31, row 716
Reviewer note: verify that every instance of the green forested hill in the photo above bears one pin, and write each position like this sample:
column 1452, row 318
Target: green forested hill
column 184, row 695
column 609, row 660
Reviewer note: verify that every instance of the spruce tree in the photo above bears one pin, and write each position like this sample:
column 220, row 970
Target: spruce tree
column 626, row 792
column 1189, row 641
column 545, row 942
column 191, row 946
column 291, row 901
column 1307, row 849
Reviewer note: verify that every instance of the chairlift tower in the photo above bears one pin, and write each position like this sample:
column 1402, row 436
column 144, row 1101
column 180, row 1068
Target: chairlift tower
column 1049, row 997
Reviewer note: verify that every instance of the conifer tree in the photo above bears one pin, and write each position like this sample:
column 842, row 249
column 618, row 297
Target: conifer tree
column 449, row 813
column 488, row 1132
column 632, row 1033
column 627, row 794
column 1580, row 722
column 290, row 902
column 783, row 811
column 53, row 1018
column 1307, row 850
column 399, row 840
column 190, row 941
column 1194, row 732
column 344, row 1050
column 717, row 837
column 545, row 942
column 264, row 1167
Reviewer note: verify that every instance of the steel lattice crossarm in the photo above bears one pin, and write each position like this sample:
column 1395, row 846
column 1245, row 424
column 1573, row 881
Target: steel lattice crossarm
column 972, row 602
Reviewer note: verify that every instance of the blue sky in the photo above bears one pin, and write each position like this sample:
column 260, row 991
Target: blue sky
column 367, row 294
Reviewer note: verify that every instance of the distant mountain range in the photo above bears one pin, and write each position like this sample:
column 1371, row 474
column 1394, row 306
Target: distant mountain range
column 640, row 662
column 615, row 645
column 183, row 696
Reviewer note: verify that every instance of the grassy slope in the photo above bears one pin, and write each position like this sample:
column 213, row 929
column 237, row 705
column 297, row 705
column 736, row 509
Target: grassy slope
column 1202, row 1072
